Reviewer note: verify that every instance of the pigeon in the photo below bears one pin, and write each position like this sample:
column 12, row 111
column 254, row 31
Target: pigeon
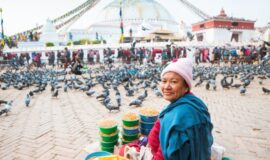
column 2, row 101
column 262, row 77
column 27, row 100
column 265, row 90
column 236, row 85
column 118, row 98
column 198, row 83
column 65, row 87
column 106, row 100
column 130, row 93
column 55, row 93
column 52, row 88
column 89, row 93
column 143, row 96
column 157, row 92
column 31, row 93
column 214, row 87
column 7, row 108
column 136, row 102
column 105, row 93
column 224, row 83
column 111, row 107
column 243, row 90
column 207, row 86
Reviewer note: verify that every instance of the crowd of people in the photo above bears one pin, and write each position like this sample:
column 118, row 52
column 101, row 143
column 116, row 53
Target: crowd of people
column 244, row 54
column 140, row 55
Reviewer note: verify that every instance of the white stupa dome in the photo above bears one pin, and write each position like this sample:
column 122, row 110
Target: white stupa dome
column 140, row 16
column 135, row 10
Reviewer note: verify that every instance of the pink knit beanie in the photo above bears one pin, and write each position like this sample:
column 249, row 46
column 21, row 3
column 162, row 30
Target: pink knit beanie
column 183, row 67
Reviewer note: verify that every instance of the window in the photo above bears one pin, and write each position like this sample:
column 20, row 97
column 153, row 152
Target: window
column 234, row 23
column 202, row 26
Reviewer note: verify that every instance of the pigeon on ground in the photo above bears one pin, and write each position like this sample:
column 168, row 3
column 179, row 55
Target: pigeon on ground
column 27, row 100
column 89, row 93
column 136, row 102
column 55, row 93
column 243, row 90
column 265, row 90
column 7, row 108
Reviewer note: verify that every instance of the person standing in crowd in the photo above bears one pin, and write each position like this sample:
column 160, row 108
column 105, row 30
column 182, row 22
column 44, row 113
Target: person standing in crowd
column 21, row 59
column 254, row 54
column 141, row 56
column 184, row 52
column 263, row 52
column 90, row 57
column 169, row 53
column 226, row 55
column 81, row 55
column 164, row 57
column 234, row 55
column 184, row 128
column 174, row 52
column 97, row 56
column 37, row 59
column 68, row 57
column 27, row 58
column 197, row 54
column 58, row 58
column 206, row 55
column 217, row 56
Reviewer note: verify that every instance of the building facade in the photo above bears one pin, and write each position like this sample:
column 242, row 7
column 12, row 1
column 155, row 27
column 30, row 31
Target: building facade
column 224, row 29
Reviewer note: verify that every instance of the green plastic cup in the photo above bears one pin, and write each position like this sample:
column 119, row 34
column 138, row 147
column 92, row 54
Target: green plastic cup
column 130, row 137
column 110, row 137
column 108, row 149
column 108, row 130
column 130, row 123
column 108, row 144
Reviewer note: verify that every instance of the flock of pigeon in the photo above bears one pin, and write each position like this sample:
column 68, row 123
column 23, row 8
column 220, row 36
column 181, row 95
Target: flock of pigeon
column 135, row 80
column 235, row 76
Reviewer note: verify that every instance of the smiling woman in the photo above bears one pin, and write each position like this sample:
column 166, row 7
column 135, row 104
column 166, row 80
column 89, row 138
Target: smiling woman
column 173, row 86
column 184, row 128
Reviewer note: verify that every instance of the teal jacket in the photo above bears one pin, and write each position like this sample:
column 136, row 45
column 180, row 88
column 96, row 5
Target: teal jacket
column 185, row 132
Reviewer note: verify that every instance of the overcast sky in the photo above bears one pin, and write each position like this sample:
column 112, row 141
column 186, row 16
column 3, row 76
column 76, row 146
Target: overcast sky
column 20, row 15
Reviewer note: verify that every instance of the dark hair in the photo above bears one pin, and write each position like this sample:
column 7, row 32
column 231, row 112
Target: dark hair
column 186, row 85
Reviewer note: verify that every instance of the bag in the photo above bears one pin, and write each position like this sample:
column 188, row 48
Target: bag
column 145, row 153
column 217, row 152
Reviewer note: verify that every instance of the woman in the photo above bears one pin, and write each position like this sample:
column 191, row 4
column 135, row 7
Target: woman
column 183, row 131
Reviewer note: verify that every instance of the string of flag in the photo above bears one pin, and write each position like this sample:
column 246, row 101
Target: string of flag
column 121, row 24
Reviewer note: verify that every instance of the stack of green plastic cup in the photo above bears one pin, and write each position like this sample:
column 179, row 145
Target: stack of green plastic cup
column 109, row 135
column 130, row 128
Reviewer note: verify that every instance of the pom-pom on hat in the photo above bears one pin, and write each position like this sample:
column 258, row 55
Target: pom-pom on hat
column 183, row 67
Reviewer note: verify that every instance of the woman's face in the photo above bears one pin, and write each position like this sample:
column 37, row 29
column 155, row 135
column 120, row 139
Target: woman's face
column 173, row 86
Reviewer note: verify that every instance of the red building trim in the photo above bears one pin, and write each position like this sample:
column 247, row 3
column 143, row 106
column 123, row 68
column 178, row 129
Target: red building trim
column 222, row 21
column 228, row 24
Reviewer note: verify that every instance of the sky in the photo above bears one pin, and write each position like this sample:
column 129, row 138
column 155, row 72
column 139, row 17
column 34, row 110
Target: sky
column 21, row 15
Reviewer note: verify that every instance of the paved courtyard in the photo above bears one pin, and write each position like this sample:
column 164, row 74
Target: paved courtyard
column 60, row 128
